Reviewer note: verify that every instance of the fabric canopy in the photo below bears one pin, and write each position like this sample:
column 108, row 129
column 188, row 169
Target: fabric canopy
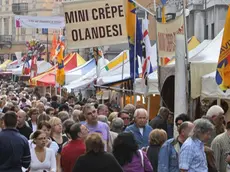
column 48, row 79
column 4, row 65
column 86, row 81
column 77, row 72
column 210, row 89
column 43, row 66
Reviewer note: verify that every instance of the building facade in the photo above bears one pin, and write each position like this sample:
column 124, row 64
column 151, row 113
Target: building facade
column 13, row 39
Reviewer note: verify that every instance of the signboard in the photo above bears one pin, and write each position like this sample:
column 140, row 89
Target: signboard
column 95, row 23
column 167, row 36
column 39, row 22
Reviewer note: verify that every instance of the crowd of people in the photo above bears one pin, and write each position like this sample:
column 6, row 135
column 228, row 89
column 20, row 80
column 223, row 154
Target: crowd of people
column 57, row 134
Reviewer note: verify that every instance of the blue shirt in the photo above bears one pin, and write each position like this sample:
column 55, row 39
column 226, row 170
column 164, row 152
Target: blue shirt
column 168, row 159
column 142, row 140
column 14, row 151
column 192, row 156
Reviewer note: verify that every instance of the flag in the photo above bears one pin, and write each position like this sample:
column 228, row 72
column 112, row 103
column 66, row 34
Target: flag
column 60, row 75
column 133, row 31
column 53, row 48
column 147, row 51
column 33, row 67
column 26, row 68
column 223, row 65
column 163, row 17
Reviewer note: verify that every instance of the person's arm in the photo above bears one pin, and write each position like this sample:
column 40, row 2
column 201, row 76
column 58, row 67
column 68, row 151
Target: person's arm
column 163, row 158
column 53, row 161
column 185, row 157
column 216, row 150
column 26, row 157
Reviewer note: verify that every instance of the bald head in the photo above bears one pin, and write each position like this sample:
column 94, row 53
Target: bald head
column 184, row 130
column 21, row 118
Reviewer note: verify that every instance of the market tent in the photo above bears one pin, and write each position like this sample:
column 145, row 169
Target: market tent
column 77, row 72
column 204, row 63
column 48, row 79
column 4, row 65
column 14, row 64
column 169, row 69
column 43, row 66
column 86, row 81
column 210, row 89
column 112, row 72
column 153, row 84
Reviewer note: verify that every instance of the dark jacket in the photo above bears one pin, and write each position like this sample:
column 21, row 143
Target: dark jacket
column 210, row 159
column 152, row 154
column 158, row 122
column 101, row 162
column 14, row 151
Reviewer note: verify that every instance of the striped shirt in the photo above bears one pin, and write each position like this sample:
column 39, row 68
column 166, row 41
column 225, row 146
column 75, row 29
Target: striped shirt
column 221, row 147
column 14, row 151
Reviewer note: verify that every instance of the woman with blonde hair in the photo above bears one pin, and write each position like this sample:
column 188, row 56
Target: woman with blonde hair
column 56, row 135
column 157, row 137
column 96, row 159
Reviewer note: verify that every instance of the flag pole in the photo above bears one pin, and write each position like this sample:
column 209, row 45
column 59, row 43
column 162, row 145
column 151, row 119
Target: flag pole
column 122, row 77
column 186, row 60
column 135, row 58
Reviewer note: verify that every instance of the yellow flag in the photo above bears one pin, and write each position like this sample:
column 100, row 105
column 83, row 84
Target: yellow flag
column 60, row 75
column 223, row 66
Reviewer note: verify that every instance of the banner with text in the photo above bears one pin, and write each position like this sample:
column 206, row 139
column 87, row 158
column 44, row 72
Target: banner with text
column 166, row 36
column 39, row 22
column 95, row 23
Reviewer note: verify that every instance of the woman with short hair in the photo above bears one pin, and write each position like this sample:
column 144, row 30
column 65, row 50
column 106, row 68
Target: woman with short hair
column 96, row 159
column 157, row 137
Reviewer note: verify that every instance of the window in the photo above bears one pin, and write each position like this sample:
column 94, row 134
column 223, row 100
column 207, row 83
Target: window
column 213, row 31
column 6, row 26
column 206, row 32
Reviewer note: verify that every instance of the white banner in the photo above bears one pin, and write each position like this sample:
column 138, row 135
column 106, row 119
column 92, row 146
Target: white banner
column 95, row 23
column 39, row 22
column 167, row 36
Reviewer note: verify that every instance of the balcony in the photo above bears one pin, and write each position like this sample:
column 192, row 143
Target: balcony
column 20, row 8
column 5, row 41
column 5, row 38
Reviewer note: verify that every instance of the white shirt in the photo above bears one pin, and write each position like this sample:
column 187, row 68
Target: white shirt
column 34, row 126
column 141, row 131
column 53, row 146
column 49, row 164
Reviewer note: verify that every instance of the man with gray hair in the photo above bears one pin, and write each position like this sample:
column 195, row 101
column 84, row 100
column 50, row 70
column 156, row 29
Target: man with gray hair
column 192, row 157
column 117, row 125
column 216, row 115
column 140, row 128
